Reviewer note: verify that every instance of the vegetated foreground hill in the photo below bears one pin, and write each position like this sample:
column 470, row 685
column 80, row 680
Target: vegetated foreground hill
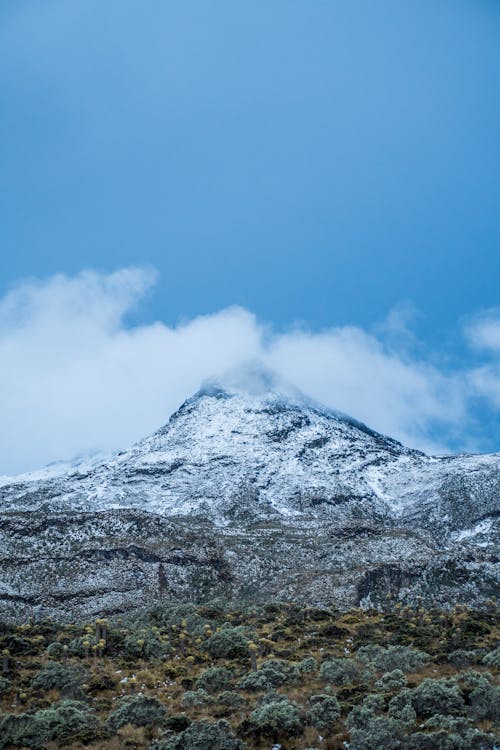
column 251, row 491
column 224, row 677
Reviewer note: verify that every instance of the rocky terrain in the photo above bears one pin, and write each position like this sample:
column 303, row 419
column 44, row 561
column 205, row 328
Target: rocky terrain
column 251, row 491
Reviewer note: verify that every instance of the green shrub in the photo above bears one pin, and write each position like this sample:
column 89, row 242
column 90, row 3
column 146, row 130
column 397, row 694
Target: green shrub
column 457, row 724
column 140, row 710
column 229, row 643
column 308, row 665
column 64, row 722
column 232, row 699
column 473, row 679
column 472, row 739
column 400, row 708
column 462, row 658
column 177, row 722
column 145, row 645
column 370, row 731
column 485, row 701
column 215, row 679
column 55, row 675
column 342, row 671
column 391, row 681
column 374, row 703
column 201, row 735
column 4, row 685
column 437, row 697
column 55, row 650
column 254, row 682
column 76, row 647
column 277, row 716
column 169, row 615
column 195, row 698
column 324, row 712
column 393, row 657
column 370, row 728
column 68, row 721
column 492, row 659
column 277, row 672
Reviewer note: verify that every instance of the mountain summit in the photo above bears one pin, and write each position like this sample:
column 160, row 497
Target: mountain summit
column 251, row 489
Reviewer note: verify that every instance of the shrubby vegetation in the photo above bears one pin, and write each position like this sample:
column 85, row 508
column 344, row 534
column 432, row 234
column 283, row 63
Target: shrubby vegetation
column 55, row 675
column 390, row 682
column 324, row 712
column 201, row 735
column 140, row 710
column 276, row 717
column 215, row 679
column 64, row 722
column 221, row 677
column 394, row 657
column 344, row 671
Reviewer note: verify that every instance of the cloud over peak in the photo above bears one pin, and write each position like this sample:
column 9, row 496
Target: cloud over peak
column 74, row 377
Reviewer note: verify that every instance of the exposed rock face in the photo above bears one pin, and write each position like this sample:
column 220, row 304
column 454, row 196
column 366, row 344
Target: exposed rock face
column 251, row 492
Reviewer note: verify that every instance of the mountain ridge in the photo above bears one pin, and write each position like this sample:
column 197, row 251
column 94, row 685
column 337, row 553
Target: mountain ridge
column 240, row 471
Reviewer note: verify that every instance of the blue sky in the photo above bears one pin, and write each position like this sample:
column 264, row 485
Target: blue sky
column 322, row 165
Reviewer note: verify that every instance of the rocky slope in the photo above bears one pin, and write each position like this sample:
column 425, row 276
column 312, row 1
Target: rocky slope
column 250, row 490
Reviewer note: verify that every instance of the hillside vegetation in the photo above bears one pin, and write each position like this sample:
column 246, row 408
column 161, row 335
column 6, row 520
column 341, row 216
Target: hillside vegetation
column 224, row 677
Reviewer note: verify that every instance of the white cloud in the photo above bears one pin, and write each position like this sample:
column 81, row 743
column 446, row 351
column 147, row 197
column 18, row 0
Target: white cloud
column 485, row 382
column 483, row 334
column 75, row 378
column 483, row 331
column 351, row 370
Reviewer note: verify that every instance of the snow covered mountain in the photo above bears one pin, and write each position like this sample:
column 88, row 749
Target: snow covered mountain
column 250, row 490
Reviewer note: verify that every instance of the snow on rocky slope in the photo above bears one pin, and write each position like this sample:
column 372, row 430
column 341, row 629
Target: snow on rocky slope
column 250, row 490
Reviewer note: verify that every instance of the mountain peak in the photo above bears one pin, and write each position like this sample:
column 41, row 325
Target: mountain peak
column 252, row 379
column 254, row 382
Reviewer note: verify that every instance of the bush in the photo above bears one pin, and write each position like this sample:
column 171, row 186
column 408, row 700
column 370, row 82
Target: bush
column 325, row 710
column 342, row 671
column 76, row 647
column 370, row 731
column 457, row 724
column 215, row 679
column 55, row 675
column 140, row 710
column 277, row 716
column 370, row 728
column 68, row 721
column 64, row 722
column 473, row 679
column 232, row 699
column 374, row 703
column 461, row 658
column 437, row 697
column 20, row 730
column 254, row 682
column 277, row 672
column 229, row 643
column 195, row 698
column 394, row 657
column 472, row 739
column 55, row 650
column 492, row 659
column 400, row 708
column 307, row 666
column 4, row 685
column 485, row 701
column 145, row 645
column 201, row 735
column 391, row 681
column 177, row 722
